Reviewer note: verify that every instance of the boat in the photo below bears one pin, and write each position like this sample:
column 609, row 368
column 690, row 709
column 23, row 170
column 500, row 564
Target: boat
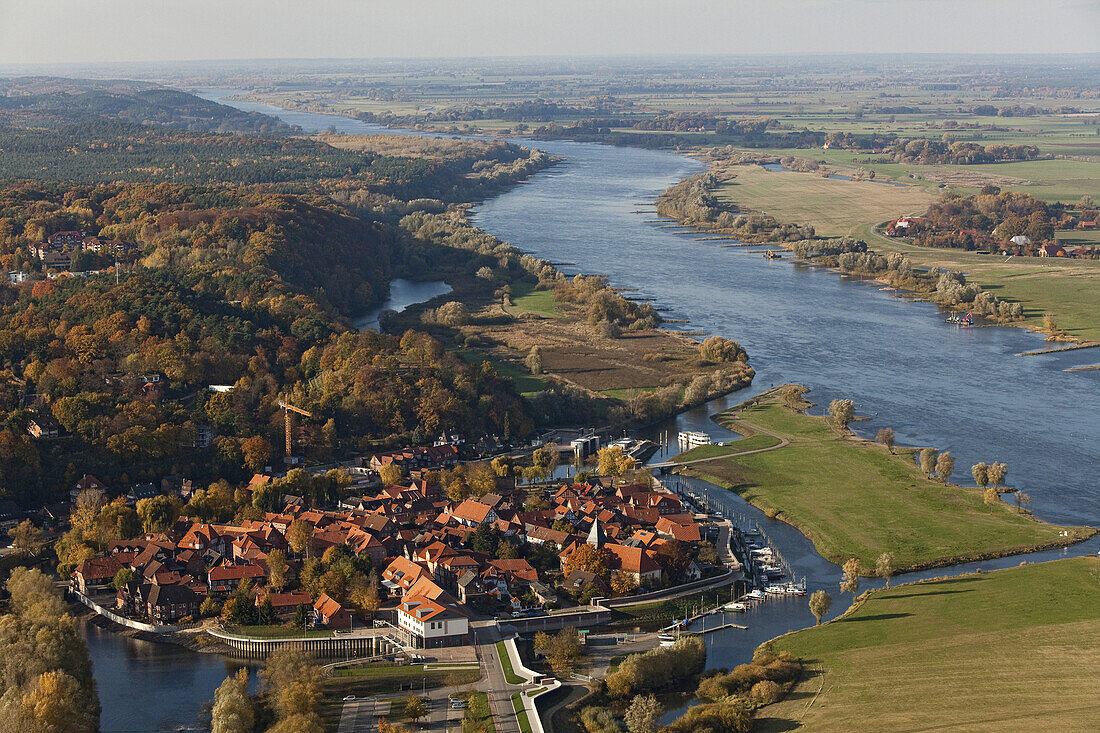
column 795, row 590
column 666, row 639
column 754, row 595
column 960, row 320
column 736, row 606
column 776, row 590
column 772, row 255
column 689, row 439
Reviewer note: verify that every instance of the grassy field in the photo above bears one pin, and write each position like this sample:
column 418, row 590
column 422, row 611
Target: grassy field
column 834, row 207
column 526, row 299
column 1068, row 288
column 526, row 383
column 852, row 498
column 278, row 632
column 753, row 442
column 1016, row 649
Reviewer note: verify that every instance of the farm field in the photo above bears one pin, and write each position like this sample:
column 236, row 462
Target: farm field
column 1015, row 649
column 852, row 498
column 1068, row 288
column 834, row 207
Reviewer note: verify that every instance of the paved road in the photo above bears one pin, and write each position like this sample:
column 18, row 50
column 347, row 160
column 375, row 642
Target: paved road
column 495, row 686
column 358, row 716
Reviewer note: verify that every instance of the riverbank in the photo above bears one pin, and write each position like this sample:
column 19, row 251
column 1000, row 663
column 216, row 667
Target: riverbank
column 854, row 498
column 964, row 642
column 769, row 200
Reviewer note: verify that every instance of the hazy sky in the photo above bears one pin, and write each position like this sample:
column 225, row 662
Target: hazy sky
column 61, row 31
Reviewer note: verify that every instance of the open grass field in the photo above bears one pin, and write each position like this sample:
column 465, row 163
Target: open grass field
column 752, row 442
column 1055, row 179
column 526, row 299
column 834, row 207
column 1012, row 650
column 852, row 498
column 1069, row 288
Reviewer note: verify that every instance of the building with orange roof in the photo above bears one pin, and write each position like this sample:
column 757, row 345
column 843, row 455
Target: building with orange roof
column 431, row 624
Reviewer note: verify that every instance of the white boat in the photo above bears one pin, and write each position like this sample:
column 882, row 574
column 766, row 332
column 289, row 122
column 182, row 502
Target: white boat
column 794, row 590
column 737, row 607
column 776, row 590
column 689, row 439
column 754, row 595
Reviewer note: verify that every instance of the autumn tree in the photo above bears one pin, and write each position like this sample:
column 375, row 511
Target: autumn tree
column 1022, row 499
column 157, row 513
column 820, row 603
column 82, row 518
column 886, row 437
column 792, row 397
column 298, row 536
column 997, row 472
column 276, row 569
column 588, row 558
column 718, row 349
column 623, row 583
column 293, row 683
column 611, row 461
column 56, row 703
column 232, row 711
column 366, row 593
column 849, row 582
column 886, row 566
column 257, row 452
column 534, row 360
column 928, row 460
column 991, row 496
column 980, row 472
column 26, row 539
column 391, row 474
column 563, row 651
column 643, row 715
column 945, row 464
column 415, row 708
column 841, row 412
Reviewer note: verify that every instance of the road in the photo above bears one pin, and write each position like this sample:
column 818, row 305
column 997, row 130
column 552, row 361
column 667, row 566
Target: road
column 495, row 686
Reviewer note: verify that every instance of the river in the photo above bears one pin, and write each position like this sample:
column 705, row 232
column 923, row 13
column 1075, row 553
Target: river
column 935, row 384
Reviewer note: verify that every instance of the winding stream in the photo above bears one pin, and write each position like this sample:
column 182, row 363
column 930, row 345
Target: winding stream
column 935, row 384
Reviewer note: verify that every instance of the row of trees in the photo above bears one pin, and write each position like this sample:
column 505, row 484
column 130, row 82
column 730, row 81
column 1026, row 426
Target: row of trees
column 46, row 681
column 291, row 686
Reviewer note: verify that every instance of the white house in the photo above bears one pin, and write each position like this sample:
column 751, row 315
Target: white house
column 432, row 624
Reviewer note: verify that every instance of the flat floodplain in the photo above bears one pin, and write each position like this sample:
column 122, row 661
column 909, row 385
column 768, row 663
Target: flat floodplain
column 1015, row 649
column 852, row 498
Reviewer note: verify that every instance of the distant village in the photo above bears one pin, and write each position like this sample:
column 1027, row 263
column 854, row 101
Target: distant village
column 60, row 249
column 435, row 563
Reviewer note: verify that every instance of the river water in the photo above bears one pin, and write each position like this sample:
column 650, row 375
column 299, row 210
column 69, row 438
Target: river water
column 957, row 389
column 403, row 293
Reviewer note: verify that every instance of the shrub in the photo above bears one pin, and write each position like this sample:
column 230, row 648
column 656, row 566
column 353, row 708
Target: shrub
column 765, row 692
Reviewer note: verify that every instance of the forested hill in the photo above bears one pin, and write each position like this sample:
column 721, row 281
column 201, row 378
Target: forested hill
column 53, row 102
column 229, row 287
column 102, row 151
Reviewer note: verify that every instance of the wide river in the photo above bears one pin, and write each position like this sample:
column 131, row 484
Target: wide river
column 961, row 390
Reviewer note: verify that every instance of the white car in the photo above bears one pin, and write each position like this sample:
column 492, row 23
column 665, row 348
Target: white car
column 349, row 698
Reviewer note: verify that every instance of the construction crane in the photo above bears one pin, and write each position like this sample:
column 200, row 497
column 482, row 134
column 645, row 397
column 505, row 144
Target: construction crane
column 287, row 410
